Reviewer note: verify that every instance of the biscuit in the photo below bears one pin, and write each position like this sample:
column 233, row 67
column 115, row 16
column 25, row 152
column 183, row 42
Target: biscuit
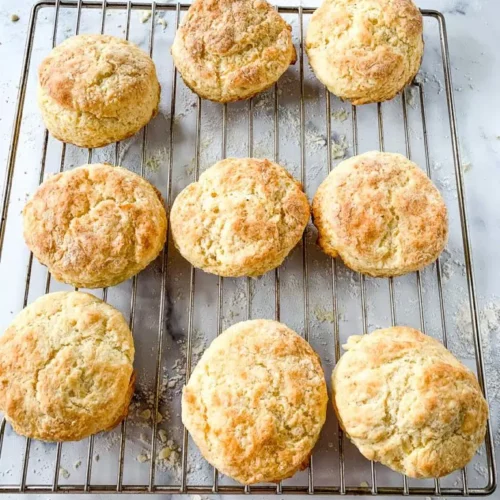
column 229, row 50
column 97, row 89
column 256, row 402
column 66, row 368
column 96, row 225
column 365, row 50
column 381, row 214
column 242, row 218
column 407, row 402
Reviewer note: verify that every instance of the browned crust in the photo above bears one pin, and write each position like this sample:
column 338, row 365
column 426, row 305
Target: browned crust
column 381, row 214
column 365, row 51
column 66, row 368
column 407, row 402
column 230, row 50
column 256, row 402
column 241, row 218
column 95, row 225
column 89, row 87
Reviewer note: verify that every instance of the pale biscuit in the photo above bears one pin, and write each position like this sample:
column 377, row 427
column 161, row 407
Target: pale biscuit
column 96, row 225
column 365, row 50
column 242, row 218
column 228, row 50
column 256, row 402
column 66, row 368
column 407, row 402
column 97, row 89
column 381, row 214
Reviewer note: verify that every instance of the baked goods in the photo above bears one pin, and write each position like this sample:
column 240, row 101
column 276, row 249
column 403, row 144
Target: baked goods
column 66, row 368
column 229, row 50
column 96, row 225
column 365, row 50
column 381, row 214
column 256, row 402
column 241, row 218
column 97, row 89
column 407, row 402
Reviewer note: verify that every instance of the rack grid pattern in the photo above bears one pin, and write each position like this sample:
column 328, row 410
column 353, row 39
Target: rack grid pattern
column 341, row 488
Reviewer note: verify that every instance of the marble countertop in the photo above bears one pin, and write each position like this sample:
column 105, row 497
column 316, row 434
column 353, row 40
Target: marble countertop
column 475, row 67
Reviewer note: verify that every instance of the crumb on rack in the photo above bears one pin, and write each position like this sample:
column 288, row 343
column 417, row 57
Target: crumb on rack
column 77, row 464
column 14, row 18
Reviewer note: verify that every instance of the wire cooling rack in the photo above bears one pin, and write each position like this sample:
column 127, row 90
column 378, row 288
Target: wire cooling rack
column 175, row 310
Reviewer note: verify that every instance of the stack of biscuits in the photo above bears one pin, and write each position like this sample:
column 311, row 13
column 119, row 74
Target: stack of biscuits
column 257, row 400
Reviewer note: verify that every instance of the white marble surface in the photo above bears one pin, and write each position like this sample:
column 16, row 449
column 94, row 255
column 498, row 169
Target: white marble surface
column 476, row 66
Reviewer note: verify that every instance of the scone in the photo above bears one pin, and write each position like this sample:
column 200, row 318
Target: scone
column 242, row 218
column 66, row 368
column 256, row 402
column 96, row 225
column 228, row 50
column 97, row 89
column 381, row 214
column 365, row 50
column 407, row 402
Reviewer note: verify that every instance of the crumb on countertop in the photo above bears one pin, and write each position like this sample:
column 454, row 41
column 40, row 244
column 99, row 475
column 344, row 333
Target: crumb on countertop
column 64, row 473
column 162, row 22
column 143, row 457
column 145, row 16
column 339, row 148
column 340, row 115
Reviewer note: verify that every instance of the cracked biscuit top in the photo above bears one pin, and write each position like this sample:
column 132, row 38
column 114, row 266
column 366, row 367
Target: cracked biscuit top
column 228, row 50
column 381, row 214
column 256, row 402
column 97, row 89
column 66, row 368
column 365, row 50
column 242, row 218
column 404, row 400
column 96, row 225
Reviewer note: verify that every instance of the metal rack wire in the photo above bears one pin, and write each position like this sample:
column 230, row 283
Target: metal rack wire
column 184, row 486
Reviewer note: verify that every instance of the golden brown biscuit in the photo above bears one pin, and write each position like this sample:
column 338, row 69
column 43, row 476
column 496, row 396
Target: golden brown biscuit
column 96, row 225
column 407, row 402
column 381, row 214
column 228, row 50
column 242, row 218
column 365, row 50
column 66, row 368
column 256, row 402
column 97, row 89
